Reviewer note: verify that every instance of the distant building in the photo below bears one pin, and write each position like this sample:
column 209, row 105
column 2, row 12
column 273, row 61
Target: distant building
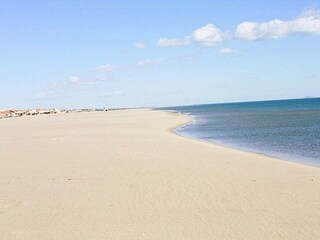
column 32, row 112
column 7, row 114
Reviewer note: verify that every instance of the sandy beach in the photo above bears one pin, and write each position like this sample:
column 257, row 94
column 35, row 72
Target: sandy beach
column 126, row 175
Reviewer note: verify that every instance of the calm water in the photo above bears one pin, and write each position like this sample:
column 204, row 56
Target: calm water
column 287, row 129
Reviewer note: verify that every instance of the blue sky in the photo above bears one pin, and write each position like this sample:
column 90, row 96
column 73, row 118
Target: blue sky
column 79, row 53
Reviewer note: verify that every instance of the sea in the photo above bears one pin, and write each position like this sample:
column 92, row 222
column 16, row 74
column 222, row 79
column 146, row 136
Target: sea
column 285, row 129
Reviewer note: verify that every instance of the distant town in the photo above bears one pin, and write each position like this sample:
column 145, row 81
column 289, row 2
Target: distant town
column 34, row 112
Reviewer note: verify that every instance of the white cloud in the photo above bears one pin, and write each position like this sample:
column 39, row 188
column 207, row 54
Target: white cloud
column 139, row 45
column 105, row 68
column 73, row 82
column 54, row 89
column 208, row 35
column 307, row 23
column 111, row 93
column 225, row 50
column 148, row 62
column 174, row 42
column 74, row 79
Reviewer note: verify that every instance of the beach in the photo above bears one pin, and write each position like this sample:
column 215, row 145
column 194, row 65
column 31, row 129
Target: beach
column 126, row 175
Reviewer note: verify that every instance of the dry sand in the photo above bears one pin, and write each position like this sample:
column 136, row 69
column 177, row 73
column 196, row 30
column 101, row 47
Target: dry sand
column 124, row 175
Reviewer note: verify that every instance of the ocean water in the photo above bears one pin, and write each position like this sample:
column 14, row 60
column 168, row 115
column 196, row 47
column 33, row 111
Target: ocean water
column 286, row 129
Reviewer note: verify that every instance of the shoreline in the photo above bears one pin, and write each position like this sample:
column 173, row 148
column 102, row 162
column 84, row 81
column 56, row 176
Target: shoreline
column 191, row 120
column 127, row 175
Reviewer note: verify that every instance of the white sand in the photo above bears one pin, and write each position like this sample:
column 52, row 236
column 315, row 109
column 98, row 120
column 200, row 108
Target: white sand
column 124, row 175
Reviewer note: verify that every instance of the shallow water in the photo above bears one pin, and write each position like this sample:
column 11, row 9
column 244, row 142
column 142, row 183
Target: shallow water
column 287, row 129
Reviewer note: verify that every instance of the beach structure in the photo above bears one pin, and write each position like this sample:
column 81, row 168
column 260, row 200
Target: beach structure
column 7, row 113
column 31, row 112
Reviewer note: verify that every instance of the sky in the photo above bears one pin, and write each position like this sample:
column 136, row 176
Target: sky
column 95, row 54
